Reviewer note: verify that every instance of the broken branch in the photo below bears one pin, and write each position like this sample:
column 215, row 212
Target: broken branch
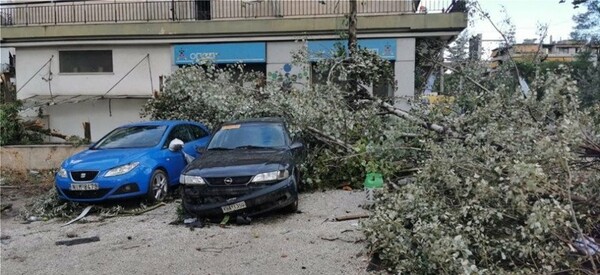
column 78, row 241
column 329, row 139
column 405, row 115
column 351, row 217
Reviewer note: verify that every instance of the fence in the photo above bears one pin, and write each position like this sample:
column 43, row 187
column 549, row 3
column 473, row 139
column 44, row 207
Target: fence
column 97, row 11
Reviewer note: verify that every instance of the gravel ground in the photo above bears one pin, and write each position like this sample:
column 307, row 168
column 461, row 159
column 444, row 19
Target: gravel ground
column 302, row 243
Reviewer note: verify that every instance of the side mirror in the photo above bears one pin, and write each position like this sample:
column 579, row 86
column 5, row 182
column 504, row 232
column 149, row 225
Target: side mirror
column 175, row 145
column 296, row 145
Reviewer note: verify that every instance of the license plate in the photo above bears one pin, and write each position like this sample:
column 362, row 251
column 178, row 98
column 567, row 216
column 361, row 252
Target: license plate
column 84, row 186
column 233, row 207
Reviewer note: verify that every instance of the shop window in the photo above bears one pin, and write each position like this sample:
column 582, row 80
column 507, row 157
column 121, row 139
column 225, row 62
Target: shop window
column 319, row 76
column 381, row 90
column 86, row 61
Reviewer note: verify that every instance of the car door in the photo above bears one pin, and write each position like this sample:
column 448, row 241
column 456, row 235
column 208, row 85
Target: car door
column 175, row 161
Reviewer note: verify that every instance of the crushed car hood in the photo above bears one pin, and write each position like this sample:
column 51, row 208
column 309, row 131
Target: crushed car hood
column 239, row 162
column 103, row 159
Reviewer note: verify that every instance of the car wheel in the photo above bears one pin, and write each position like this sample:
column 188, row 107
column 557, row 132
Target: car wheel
column 158, row 187
column 293, row 207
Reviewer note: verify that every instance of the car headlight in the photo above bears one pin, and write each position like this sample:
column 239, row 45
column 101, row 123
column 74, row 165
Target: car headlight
column 271, row 176
column 185, row 179
column 62, row 173
column 123, row 169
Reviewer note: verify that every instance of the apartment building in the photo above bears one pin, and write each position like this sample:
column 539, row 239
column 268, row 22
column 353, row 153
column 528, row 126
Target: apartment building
column 557, row 51
column 98, row 62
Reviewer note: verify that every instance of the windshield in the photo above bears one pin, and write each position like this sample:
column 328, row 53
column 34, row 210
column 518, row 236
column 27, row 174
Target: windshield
column 132, row 137
column 260, row 135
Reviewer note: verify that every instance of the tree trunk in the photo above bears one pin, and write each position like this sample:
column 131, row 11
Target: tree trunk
column 352, row 44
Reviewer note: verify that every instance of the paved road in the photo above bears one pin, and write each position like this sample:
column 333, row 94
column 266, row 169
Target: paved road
column 302, row 243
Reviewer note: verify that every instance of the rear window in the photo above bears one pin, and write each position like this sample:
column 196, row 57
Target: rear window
column 241, row 135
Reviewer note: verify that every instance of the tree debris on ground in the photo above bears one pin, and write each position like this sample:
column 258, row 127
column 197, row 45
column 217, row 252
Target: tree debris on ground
column 78, row 241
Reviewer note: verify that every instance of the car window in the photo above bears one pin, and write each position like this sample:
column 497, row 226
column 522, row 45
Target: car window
column 132, row 137
column 196, row 132
column 181, row 132
column 259, row 135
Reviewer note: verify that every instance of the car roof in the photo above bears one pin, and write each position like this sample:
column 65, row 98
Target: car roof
column 256, row 120
column 160, row 122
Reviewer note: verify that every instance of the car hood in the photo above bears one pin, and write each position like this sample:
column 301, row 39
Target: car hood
column 103, row 159
column 239, row 162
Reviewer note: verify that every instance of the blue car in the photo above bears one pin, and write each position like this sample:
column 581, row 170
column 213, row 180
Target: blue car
column 136, row 160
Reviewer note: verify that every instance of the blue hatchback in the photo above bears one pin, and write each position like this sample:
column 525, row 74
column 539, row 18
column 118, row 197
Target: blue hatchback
column 135, row 160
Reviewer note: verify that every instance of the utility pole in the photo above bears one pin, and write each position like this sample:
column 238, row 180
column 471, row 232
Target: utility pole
column 352, row 45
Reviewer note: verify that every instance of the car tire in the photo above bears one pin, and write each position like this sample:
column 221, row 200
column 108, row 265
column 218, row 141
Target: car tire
column 158, row 187
column 293, row 207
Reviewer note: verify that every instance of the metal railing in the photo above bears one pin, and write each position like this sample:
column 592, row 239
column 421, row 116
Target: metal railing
column 102, row 11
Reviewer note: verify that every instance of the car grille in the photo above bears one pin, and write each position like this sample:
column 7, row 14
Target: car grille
column 224, row 180
column 88, row 194
column 83, row 175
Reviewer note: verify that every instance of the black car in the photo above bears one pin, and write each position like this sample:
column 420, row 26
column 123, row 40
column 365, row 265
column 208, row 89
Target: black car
column 249, row 167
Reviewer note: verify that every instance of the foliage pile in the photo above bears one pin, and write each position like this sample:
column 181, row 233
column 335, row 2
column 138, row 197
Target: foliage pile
column 510, row 194
column 344, row 141
column 49, row 206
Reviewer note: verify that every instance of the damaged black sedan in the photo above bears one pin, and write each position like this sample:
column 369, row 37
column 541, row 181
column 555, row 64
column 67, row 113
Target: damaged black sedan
column 249, row 167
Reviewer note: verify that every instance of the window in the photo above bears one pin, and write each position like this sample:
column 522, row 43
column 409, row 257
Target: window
column 202, row 10
column 563, row 50
column 197, row 132
column 385, row 89
column 85, row 61
column 180, row 132
column 319, row 75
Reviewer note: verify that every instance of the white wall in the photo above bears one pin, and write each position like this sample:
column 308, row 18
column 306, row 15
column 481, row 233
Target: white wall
column 124, row 59
column 103, row 116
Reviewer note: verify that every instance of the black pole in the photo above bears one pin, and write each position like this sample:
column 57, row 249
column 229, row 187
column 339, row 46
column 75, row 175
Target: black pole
column 173, row 10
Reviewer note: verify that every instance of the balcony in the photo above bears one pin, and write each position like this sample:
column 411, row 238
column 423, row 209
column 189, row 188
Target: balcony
column 61, row 12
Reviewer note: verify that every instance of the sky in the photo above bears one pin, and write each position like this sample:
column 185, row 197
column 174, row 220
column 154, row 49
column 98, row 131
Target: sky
column 525, row 15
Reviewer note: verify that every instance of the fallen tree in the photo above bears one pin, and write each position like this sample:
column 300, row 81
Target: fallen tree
column 509, row 197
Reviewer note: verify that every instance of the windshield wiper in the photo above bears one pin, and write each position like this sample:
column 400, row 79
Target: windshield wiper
column 253, row 147
column 219, row 148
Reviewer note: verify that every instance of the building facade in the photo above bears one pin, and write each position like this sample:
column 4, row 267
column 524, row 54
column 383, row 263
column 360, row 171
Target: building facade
column 555, row 51
column 98, row 62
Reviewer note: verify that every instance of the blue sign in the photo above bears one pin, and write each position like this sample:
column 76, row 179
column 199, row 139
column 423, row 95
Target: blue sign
column 219, row 53
column 385, row 48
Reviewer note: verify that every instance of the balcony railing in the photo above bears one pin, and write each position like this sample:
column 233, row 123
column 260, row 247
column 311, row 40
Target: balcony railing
column 98, row 11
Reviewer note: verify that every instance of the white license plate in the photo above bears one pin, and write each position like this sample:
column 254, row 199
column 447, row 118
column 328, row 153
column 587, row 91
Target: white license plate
column 233, row 207
column 84, row 186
